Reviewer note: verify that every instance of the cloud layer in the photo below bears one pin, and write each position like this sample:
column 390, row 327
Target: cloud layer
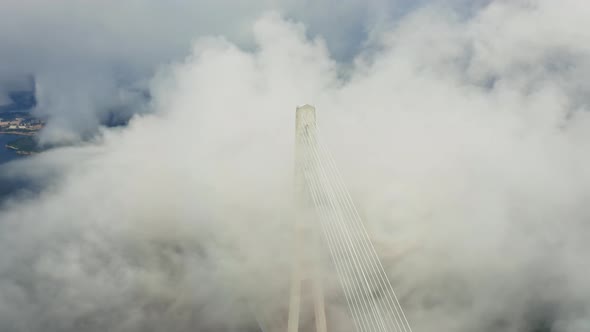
column 462, row 139
column 91, row 60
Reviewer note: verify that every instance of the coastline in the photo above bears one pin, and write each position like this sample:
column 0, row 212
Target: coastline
column 21, row 133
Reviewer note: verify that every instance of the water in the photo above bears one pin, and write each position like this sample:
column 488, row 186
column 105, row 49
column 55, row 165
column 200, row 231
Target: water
column 10, row 185
column 7, row 155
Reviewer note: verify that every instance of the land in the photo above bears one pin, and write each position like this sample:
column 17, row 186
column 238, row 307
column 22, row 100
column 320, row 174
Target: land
column 21, row 123
column 16, row 119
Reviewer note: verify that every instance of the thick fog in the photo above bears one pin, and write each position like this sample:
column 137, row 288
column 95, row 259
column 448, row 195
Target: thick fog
column 461, row 130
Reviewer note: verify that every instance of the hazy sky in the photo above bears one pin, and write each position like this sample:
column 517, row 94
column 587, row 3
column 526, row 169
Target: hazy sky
column 90, row 58
column 461, row 128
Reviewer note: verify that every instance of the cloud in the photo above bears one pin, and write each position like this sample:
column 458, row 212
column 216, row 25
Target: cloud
column 85, row 55
column 5, row 99
column 464, row 153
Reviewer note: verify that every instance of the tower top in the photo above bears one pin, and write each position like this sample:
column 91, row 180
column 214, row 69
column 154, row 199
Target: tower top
column 305, row 116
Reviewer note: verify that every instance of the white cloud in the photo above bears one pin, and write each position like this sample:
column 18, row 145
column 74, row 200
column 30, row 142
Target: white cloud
column 83, row 53
column 467, row 161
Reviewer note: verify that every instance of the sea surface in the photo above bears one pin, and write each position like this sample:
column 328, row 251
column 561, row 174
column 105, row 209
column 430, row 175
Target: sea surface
column 7, row 154
column 9, row 185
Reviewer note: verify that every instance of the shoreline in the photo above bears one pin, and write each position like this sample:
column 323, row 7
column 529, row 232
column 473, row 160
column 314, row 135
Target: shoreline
column 18, row 133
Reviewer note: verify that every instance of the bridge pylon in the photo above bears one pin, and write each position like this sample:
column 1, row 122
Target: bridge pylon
column 306, row 266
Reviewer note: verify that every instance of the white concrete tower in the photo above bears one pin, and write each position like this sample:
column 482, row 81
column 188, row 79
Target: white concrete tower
column 305, row 264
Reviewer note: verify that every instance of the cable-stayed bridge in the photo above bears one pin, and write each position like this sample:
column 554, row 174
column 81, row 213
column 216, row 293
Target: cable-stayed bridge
column 323, row 202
